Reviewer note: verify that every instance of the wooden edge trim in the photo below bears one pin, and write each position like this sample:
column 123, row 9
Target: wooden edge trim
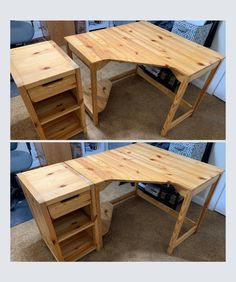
column 206, row 184
column 66, row 236
column 79, row 54
column 52, row 232
column 15, row 75
column 26, row 185
column 205, row 70
column 49, row 79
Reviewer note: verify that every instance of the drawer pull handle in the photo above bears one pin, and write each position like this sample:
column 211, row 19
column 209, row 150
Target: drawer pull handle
column 68, row 199
column 51, row 82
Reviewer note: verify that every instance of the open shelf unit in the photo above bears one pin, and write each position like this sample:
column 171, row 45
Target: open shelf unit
column 56, row 106
column 78, row 245
column 63, row 127
column 71, row 224
column 50, row 84
column 75, row 233
column 60, row 116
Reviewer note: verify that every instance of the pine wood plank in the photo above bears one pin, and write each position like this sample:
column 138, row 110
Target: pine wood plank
column 142, row 162
column 40, row 63
column 53, row 183
column 143, row 43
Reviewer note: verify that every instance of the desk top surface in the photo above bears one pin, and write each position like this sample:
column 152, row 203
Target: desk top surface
column 143, row 43
column 137, row 162
column 39, row 63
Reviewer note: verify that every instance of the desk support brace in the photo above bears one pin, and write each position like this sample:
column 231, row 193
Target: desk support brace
column 93, row 77
column 181, row 216
column 175, row 241
column 174, row 107
column 180, row 220
column 99, row 221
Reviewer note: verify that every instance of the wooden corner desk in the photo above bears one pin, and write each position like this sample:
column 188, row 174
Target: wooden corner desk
column 64, row 197
column 143, row 43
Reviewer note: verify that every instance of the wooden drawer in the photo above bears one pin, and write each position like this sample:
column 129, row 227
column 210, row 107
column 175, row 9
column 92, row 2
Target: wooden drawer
column 52, row 88
column 70, row 204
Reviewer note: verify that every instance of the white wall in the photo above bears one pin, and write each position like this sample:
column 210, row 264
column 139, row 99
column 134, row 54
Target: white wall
column 217, row 157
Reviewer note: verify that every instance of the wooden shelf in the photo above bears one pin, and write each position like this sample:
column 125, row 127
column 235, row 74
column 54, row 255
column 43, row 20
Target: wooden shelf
column 77, row 246
column 63, row 127
column 103, row 92
column 71, row 224
column 56, row 106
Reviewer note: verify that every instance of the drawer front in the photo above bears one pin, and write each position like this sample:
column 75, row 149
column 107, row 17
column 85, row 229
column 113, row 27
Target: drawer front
column 70, row 204
column 52, row 88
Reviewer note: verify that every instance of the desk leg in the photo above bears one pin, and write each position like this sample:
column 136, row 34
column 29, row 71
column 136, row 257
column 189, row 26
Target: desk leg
column 69, row 52
column 93, row 76
column 99, row 221
column 204, row 89
column 179, row 222
column 33, row 115
column 205, row 206
column 174, row 107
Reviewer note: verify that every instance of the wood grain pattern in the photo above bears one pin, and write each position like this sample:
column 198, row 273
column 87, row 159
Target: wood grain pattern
column 57, row 186
column 43, row 222
column 53, row 183
column 50, row 85
column 63, row 127
column 40, row 63
column 51, row 109
column 144, row 163
column 143, row 43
